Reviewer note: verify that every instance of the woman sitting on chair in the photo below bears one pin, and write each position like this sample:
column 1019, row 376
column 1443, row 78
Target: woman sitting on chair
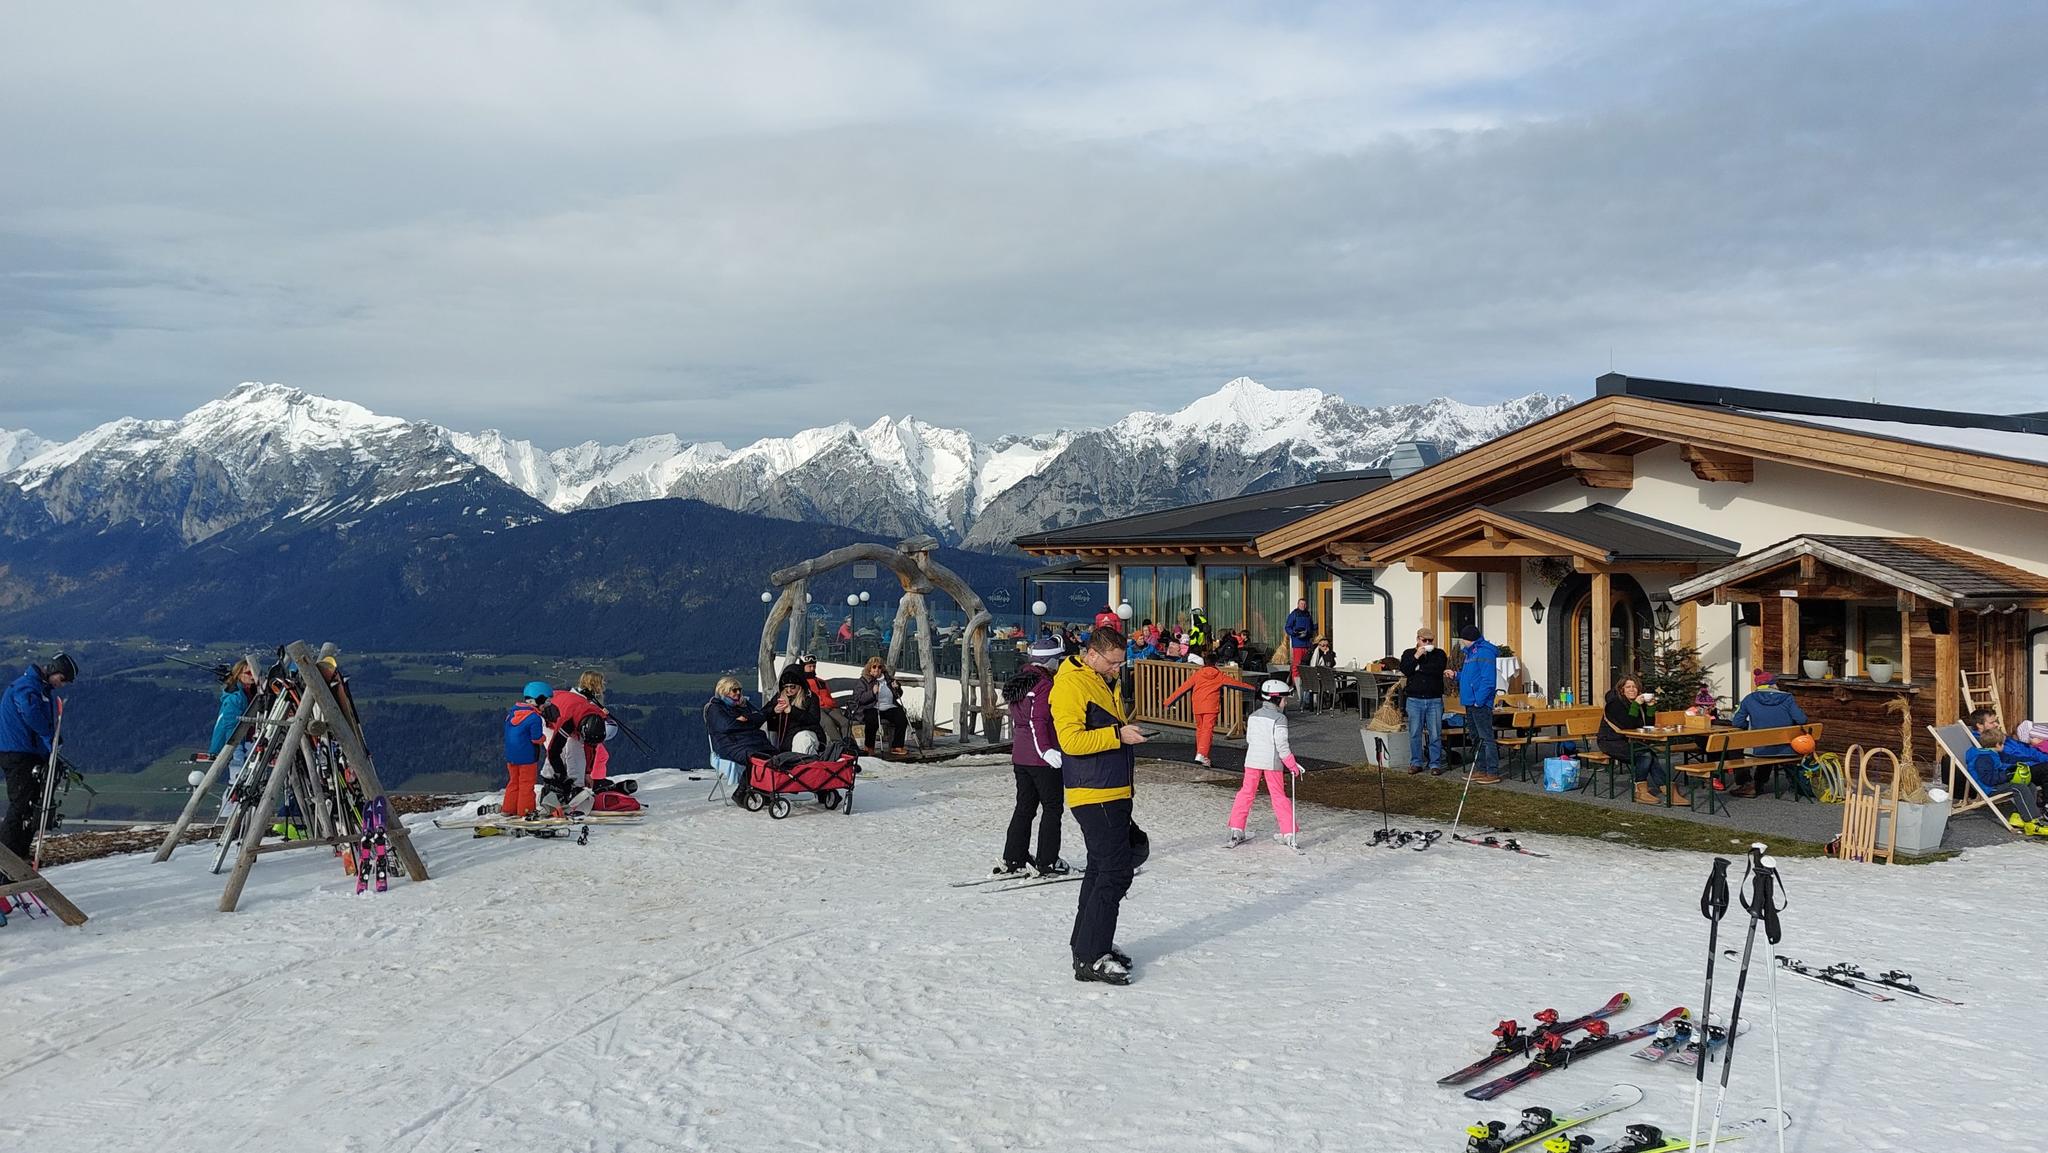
column 735, row 727
column 878, row 700
column 1628, row 707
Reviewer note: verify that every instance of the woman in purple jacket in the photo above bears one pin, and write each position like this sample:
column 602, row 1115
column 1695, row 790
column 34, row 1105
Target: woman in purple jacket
column 1035, row 759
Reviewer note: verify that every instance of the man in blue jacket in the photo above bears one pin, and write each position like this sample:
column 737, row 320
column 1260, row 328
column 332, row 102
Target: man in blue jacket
column 2004, row 763
column 28, row 723
column 1766, row 707
column 1477, row 679
column 1301, row 637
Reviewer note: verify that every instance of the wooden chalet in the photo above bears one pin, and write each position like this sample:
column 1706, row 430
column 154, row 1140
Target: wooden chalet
column 1661, row 505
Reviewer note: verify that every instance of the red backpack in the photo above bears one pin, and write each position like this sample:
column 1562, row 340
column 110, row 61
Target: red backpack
column 614, row 802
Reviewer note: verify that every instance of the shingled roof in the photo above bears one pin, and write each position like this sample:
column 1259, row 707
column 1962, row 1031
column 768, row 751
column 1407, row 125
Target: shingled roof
column 1927, row 568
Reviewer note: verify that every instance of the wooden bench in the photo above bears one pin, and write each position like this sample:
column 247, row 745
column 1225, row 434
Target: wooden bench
column 1529, row 744
column 1729, row 750
column 1585, row 729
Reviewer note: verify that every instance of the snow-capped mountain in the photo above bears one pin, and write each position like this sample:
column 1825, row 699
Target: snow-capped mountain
column 265, row 452
column 909, row 476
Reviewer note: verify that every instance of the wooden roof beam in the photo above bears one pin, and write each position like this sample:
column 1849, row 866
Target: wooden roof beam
column 1713, row 465
column 1602, row 469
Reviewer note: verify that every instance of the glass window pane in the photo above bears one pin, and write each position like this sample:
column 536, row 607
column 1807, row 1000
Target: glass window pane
column 1267, row 607
column 1173, row 595
column 1223, row 598
column 1879, row 629
column 1138, row 591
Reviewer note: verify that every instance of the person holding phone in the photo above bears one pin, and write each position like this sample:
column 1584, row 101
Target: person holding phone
column 1097, row 770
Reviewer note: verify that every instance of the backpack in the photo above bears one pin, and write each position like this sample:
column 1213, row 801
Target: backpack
column 614, row 802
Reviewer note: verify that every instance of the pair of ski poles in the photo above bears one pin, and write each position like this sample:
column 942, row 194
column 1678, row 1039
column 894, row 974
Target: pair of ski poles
column 1760, row 901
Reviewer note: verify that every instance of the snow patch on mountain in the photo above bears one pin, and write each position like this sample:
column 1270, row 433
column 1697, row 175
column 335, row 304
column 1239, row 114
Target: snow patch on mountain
column 17, row 446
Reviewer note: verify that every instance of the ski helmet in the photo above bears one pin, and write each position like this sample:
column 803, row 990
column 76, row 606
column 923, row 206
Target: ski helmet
column 62, row 665
column 537, row 691
column 1276, row 690
column 591, row 728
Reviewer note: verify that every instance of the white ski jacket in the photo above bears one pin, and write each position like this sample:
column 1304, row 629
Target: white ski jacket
column 1265, row 738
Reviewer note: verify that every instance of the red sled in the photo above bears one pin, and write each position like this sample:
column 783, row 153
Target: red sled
column 771, row 781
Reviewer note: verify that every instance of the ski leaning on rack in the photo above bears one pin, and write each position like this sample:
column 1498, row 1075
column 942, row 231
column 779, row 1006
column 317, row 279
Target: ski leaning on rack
column 1511, row 1040
column 1827, row 977
column 1553, row 1053
column 1538, row 1123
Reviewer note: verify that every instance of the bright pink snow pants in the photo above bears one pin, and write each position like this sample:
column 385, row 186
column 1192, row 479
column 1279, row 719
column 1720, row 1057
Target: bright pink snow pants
column 1276, row 788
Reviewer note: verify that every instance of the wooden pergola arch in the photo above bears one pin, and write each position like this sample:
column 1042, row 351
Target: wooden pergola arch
column 920, row 573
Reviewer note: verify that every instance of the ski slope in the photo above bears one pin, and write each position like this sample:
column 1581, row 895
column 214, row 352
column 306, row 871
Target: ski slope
column 713, row 979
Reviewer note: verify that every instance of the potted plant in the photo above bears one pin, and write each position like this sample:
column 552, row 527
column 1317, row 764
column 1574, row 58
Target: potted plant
column 1815, row 664
column 1879, row 667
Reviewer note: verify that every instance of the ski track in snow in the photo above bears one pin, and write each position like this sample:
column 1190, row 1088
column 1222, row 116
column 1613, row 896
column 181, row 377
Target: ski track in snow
column 712, row 979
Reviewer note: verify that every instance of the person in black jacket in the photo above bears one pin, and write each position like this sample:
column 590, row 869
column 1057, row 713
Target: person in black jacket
column 1628, row 707
column 1424, row 666
column 794, row 722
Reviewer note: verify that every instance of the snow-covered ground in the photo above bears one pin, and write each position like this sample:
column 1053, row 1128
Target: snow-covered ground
column 713, row 979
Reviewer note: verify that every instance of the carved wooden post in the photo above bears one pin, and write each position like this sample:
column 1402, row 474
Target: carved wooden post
column 266, row 808
column 926, row 722
column 358, row 756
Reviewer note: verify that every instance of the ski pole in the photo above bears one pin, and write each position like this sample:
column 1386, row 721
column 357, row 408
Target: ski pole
column 1761, row 905
column 50, row 771
column 1713, row 905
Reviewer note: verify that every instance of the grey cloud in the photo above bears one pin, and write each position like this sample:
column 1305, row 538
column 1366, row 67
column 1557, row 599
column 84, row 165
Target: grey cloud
column 1836, row 200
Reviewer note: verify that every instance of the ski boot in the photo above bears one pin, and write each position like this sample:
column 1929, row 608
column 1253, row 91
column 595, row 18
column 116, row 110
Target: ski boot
column 1008, row 869
column 1059, row 868
column 1285, row 839
column 1237, row 837
column 1106, row 969
column 1637, row 1138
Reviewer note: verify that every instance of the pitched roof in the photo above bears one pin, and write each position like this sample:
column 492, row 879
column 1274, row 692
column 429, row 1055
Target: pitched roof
column 1977, row 455
column 1236, row 520
column 1927, row 568
column 1625, row 535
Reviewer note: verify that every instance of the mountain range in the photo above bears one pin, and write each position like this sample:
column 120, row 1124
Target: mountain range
column 270, row 457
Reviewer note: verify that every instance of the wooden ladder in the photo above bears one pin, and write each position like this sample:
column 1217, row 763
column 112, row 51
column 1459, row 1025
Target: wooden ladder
column 1980, row 691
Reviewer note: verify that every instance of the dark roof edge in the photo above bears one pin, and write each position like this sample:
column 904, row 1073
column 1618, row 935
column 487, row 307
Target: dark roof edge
column 1717, row 396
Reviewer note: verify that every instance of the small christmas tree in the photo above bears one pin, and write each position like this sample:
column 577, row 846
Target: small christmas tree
column 1675, row 673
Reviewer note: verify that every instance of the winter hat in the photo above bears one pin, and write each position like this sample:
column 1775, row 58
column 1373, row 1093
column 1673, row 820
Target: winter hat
column 1469, row 633
column 1047, row 648
column 1763, row 677
column 2029, row 732
column 1425, row 634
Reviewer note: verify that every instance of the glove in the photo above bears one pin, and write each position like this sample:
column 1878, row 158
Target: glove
column 1293, row 766
column 1054, row 758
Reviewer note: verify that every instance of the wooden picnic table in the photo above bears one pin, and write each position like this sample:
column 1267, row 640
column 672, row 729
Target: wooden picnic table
column 1664, row 738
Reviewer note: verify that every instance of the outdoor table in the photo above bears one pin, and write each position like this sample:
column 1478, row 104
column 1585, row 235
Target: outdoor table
column 1662, row 739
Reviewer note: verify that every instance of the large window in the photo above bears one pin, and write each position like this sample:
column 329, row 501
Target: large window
column 1161, row 594
column 1252, row 599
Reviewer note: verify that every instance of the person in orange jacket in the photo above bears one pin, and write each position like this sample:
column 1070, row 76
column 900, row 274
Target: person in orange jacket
column 1205, row 695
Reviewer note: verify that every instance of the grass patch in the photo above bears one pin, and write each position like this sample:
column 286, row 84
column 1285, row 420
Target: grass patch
column 1436, row 799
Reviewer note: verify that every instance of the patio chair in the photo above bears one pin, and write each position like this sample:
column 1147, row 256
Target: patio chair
column 1316, row 683
column 1955, row 742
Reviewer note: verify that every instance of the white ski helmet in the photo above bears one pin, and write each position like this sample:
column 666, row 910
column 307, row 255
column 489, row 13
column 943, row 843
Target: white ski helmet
column 1275, row 689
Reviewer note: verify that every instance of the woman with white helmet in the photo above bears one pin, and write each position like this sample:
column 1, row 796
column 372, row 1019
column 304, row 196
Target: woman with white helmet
column 1266, row 751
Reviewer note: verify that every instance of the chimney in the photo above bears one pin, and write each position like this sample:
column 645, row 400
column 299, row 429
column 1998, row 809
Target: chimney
column 1411, row 456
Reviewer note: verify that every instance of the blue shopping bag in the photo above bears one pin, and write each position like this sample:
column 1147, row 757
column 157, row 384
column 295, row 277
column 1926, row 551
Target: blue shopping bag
column 1560, row 774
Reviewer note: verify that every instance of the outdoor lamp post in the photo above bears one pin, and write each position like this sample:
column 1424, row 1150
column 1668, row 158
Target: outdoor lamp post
column 767, row 598
column 1124, row 611
column 1663, row 614
column 1038, row 610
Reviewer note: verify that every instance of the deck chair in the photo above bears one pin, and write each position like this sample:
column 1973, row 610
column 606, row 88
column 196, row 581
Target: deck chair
column 725, row 774
column 1955, row 742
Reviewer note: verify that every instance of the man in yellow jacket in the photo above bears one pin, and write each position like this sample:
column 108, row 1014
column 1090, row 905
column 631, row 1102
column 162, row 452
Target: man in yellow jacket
column 1096, row 742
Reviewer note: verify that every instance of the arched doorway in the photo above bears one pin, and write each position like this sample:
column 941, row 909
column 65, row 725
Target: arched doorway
column 1570, row 625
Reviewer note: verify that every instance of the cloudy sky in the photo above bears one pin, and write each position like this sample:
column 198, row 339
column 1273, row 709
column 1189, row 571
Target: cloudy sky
column 730, row 220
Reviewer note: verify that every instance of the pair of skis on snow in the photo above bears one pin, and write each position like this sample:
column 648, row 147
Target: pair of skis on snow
column 1541, row 1125
column 1679, row 1042
column 1020, row 881
column 1852, row 979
